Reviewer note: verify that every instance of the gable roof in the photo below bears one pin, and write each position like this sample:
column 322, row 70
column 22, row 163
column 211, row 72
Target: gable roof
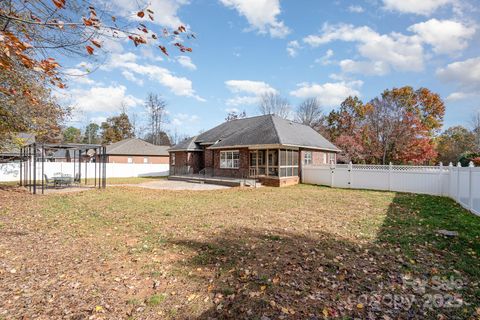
column 134, row 146
column 187, row 145
column 260, row 130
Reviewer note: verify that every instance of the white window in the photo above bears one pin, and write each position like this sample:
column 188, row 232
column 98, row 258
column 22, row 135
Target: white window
column 130, row 160
column 325, row 158
column 145, row 159
column 230, row 159
column 173, row 158
column 331, row 158
column 307, row 157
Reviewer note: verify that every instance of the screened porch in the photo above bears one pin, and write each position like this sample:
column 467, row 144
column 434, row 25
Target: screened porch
column 275, row 163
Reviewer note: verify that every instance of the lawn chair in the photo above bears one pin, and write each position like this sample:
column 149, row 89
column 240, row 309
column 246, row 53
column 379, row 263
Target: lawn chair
column 48, row 182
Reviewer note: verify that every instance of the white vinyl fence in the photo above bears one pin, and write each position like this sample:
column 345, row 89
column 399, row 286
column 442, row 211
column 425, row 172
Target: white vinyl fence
column 460, row 183
column 11, row 171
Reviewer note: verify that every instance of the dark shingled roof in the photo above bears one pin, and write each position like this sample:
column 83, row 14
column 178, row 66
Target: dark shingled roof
column 134, row 146
column 261, row 130
column 187, row 144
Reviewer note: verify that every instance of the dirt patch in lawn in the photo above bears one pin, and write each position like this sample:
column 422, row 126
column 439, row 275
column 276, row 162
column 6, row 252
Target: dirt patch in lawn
column 301, row 252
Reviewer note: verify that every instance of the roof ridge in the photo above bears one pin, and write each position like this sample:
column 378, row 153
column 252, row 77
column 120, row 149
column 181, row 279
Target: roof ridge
column 275, row 128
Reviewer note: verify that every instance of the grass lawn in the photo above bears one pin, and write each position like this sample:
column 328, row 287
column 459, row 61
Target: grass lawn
column 301, row 252
column 131, row 180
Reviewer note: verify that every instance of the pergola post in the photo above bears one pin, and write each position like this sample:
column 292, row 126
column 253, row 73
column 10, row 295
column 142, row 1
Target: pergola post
column 34, row 168
column 43, row 168
column 20, row 165
column 86, row 153
column 96, row 160
column 29, row 166
column 105, row 167
column 79, row 166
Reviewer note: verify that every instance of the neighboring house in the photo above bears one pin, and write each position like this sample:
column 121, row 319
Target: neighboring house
column 66, row 155
column 135, row 150
column 12, row 153
column 268, row 148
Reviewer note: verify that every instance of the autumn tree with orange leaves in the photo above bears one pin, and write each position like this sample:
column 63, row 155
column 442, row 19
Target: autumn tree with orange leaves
column 398, row 127
column 34, row 35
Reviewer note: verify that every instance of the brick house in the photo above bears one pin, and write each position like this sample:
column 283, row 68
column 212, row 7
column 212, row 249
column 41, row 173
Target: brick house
column 268, row 148
column 135, row 150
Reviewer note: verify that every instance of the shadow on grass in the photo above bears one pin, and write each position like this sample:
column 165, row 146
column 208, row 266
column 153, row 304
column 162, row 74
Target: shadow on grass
column 271, row 274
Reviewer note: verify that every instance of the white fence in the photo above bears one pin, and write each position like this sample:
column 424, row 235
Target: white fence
column 461, row 184
column 11, row 171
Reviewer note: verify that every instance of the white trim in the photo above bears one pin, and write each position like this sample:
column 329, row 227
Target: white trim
column 224, row 164
column 273, row 146
column 184, row 150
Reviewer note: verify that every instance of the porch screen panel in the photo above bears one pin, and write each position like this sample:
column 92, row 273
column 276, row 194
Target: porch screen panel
column 288, row 163
column 273, row 163
column 283, row 157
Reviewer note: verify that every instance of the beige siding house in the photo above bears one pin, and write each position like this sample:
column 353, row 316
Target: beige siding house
column 138, row 151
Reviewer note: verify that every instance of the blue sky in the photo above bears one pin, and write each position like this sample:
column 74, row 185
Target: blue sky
column 300, row 49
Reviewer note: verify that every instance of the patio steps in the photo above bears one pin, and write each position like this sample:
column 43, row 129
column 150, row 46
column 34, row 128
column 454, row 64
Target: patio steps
column 229, row 182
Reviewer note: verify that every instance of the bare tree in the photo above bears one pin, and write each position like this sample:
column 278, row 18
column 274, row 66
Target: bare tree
column 310, row 113
column 156, row 118
column 475, row 123
column 273, row 103
column 176, row 137
column 234, row 115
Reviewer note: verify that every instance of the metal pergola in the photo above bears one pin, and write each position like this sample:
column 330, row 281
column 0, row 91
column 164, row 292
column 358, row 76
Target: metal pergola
column 35, row 153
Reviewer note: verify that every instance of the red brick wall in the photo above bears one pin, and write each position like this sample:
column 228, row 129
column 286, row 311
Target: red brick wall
column 235, row 173
column 184, row 159
column 208, row 158
column 138, row 159
column 317, row 156
column 196, row 161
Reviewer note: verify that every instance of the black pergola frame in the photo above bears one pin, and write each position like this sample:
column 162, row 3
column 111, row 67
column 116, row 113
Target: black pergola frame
column 33, row 153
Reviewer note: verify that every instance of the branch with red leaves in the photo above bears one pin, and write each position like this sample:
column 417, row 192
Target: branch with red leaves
column 28, row 36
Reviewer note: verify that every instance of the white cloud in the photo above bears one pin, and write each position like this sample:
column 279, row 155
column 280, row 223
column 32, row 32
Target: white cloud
column 165, row 11
column 356, row 9
column 98, row 120
column 465, row 74
column 186, row 62
column 328, row 94
column 445, row 36
column 111, row 45
column 261, row 15
column 378, row 68
column 421, row 7
column 252, row 89
column 229, row 110
column 248, row 86
column 85, row 65
column 456, row 96
column 402, row 53
column 384, row 52
column 293, row 47
column 78, row 76
column 242, row 101
column 131, row 77
column 183, row 118
column 179, row 86
column 102, row 99
column 325, row 60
